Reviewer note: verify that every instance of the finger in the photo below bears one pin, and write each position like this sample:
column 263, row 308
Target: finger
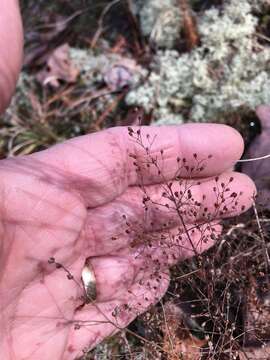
column 263, row 112
column 114, row 276
column 171, row 246
column 157, row 205
column 100, row 165
column 11, row 43
column 150, row 254
column 96, row 321
column 168, row 206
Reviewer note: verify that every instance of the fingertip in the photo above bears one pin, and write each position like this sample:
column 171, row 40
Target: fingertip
column 237, row 141
column 231, row 143
column 224, row 143
column 248, row 188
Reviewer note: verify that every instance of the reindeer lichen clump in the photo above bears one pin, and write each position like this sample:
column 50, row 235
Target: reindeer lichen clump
column 228, row 70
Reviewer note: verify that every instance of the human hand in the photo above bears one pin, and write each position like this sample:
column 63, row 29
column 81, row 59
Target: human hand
column 74, row 200
column 11, row 49
column 68, row 203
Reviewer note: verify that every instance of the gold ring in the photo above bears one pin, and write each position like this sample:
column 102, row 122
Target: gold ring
column 89, row 282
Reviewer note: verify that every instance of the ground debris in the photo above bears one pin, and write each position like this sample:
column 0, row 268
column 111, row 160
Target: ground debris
column 178, row 342
column 59, row 67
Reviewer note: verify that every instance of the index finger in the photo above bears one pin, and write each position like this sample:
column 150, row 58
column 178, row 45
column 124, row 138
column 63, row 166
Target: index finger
column 102, row 165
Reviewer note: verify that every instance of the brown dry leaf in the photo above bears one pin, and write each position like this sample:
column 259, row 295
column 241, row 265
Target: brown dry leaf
column 259, row 170
column 59, row 68
column 179, row 343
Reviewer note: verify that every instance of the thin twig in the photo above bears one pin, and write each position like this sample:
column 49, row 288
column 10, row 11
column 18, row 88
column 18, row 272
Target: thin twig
column 168, row 332
column 261, row 232
column 100, row 22
column 190, row 24
column 255, row 159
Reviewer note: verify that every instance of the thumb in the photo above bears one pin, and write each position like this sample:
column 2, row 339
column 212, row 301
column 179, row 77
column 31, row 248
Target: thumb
column 11, row 49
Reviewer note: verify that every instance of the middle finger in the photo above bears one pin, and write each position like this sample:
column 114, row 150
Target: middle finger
column 153, row 208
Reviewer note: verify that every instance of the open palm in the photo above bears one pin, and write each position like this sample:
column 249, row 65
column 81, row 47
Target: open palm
column 84, row 199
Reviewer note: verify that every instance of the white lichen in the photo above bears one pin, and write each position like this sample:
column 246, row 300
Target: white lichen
column 92, row 66
column 230, row 69
column 96, row 68
column 161, row 21
column 21, row 101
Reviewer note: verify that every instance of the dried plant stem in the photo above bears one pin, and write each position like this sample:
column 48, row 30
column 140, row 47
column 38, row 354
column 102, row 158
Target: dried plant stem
column 255, row 159
column 167, row 328
column 100, row 28
column 139, row 337
column 175, row 202
column 190, row 25
column 261, row 232
column 124, row 337
column 111, row 107
column 135, row 28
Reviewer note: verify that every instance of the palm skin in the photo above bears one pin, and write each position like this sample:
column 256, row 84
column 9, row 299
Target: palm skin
column 68, row 203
